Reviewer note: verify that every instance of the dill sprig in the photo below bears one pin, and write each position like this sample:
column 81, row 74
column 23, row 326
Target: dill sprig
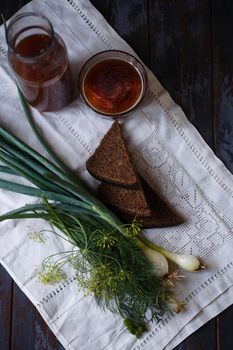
column 36, row 236
column 106, row 256
column 51, row 274
column 111, row 267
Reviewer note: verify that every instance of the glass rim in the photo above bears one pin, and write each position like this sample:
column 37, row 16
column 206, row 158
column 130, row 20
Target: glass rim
column 142, row 74
column 26, row 14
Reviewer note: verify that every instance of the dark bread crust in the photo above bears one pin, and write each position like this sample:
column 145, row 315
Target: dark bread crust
column 152, row 221
column 110, row 162
column 125, row 200
column 162, row 215
column 127, row 194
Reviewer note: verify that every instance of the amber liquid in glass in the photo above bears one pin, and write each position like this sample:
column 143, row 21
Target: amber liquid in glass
column 112, row 86
column 42, row 70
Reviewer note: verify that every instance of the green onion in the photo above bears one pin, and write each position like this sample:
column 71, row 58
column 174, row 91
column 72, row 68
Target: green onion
column 27, row 111
column 36, row 192
column 187, row 262
column 72, row 184
column 5, row 169
column 106, row 255
column 4, row 23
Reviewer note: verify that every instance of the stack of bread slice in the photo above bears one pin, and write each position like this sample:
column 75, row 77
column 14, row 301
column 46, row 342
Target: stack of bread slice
column 122, row 189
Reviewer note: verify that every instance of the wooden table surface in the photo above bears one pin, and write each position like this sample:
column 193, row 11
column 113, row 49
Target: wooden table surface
column 189, row 46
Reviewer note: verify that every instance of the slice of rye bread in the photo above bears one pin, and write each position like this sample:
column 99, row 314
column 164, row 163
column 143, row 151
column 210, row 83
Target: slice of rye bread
column 162, row 214
column 111, row 162
column 124, row 200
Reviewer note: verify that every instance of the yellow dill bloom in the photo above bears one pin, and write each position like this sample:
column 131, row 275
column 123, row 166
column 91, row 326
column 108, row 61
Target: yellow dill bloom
column 36, row 236
column 134, row 229
column 51, row 274
column 105, row 239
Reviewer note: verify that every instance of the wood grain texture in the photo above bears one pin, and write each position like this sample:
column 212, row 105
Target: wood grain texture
column 21, row 326
column 224, row 330
column 202, row 339
column 103, row 7
column 180, row 43
column 130, row 20
column 6, row 287
column 9, row 7
column 222, row 44
column 188, row 45
column 29, row 331
column 181, row 58
column 223, row 80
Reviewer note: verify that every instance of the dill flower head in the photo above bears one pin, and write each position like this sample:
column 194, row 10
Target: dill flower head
column 133, row 229
column 51, row 274
column 104, row 239
column 102, row 280
column 36, row 236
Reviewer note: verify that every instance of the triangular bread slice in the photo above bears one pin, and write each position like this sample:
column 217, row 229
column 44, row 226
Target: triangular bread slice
column 125, row 200
column 162, row 215
column 111, row 162
column 122, row 189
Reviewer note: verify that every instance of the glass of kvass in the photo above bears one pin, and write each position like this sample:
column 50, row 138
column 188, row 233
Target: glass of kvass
column 112, row 83
column 38, row 58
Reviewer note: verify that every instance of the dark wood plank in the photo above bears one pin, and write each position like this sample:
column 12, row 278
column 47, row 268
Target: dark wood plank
column 223, row 80
column 9, row 7
column 6, row 285
column 174, row 38
column 181, row 58
column 102, row 6
column 130, row 20
column 180, row 42
column 203, row 339
column 224, row 329
column 223, row 112
column 29, row 331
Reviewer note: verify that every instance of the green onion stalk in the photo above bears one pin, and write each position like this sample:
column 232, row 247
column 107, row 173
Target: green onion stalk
column 106, row 255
